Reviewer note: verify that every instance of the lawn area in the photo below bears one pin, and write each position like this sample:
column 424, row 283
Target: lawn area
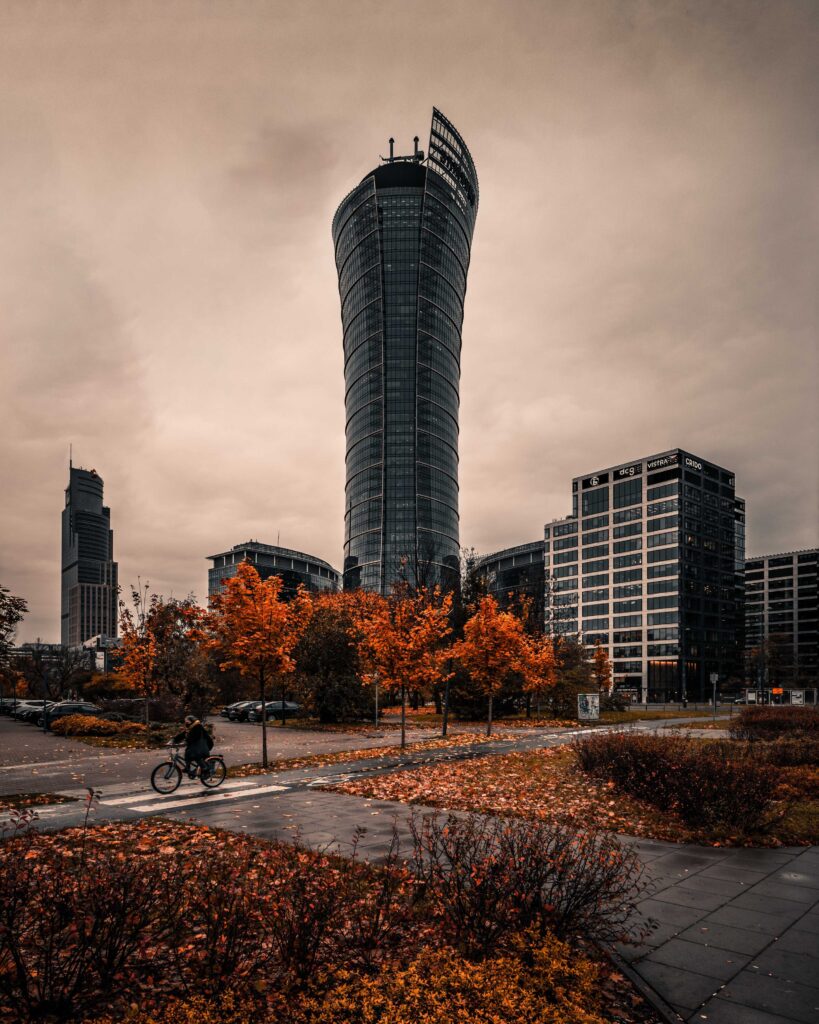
column 195, row 924
column 550, row 785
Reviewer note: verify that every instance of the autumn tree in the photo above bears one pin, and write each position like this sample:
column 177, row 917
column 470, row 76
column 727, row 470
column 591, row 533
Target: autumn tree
column 541, row 666
column 12, row 612
column 54, row 672
column 573, row 675
column 601, row 668
column 328, row 667
column 494, row 647
column 137, row 667
column 252, row 628
column 402, row 638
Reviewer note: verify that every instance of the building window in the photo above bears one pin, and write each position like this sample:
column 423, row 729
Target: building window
column 596, row 501
column 629, row 492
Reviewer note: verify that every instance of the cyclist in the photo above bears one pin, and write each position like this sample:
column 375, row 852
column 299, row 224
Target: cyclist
column 198, row 745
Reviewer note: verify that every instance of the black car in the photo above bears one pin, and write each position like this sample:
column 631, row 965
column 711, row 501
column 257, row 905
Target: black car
column 69, row 707
column 31, row 710
column 225, row 712
column 239, row 712
column 275, row 709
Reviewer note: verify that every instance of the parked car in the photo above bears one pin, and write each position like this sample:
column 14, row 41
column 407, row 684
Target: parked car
column 31, row 710
column 69, row 707
column 8, row 705
column 225, row 712
column 240, row 713
column 275, row 709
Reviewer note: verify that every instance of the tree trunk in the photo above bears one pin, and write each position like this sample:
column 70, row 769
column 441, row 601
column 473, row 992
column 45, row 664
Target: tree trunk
column 489, row 717
column 528, row 705
column 436, row 696
column 445, row 721
column 403, row 716
column 263, row 699
column 147, row 710
column 284, row 696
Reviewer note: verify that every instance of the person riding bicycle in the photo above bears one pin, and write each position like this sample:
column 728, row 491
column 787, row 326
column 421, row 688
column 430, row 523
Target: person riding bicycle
column 198, row 745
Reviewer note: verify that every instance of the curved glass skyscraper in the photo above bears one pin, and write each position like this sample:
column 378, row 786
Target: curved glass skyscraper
column 402, row 242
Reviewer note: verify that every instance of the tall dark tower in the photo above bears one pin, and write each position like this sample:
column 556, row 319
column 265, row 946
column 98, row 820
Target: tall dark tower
column 402, row 242
column 89, row 572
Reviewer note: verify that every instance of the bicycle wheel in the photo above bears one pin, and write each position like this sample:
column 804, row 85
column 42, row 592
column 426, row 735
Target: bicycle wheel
column 165, row 778
column 218, row 773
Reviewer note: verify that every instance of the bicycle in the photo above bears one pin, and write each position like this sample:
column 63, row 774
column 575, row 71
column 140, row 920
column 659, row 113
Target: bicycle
column 167, row 776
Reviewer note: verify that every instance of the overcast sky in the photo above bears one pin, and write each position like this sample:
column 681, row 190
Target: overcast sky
column 643, row 272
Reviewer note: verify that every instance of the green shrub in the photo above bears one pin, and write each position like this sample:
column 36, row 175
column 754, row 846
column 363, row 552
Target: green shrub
column 710, row 785
column 769, row 723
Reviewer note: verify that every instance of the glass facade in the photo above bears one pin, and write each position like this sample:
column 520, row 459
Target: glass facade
column 402, row 243
column 90, row 587
column 663, row 541
column 295, row 567
column 782, row 619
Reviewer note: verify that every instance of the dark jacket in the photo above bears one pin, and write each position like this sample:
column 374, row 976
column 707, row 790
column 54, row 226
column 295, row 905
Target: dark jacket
column 197, row 740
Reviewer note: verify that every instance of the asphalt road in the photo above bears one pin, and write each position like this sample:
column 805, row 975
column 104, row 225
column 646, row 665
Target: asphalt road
column 35, row 762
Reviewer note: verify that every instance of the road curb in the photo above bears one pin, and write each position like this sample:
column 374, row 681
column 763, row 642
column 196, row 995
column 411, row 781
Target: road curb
column 669, row 1015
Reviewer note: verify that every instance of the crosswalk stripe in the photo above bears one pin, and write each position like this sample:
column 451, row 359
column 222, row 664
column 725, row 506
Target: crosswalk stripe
column 149, row 793
column 163, row 805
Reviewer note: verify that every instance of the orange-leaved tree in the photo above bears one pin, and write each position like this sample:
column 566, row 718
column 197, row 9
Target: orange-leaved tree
column 540, row 669
column 493, row 648
column 138, row 649
column 402, row 640
column 601, row 668
column 252, row 628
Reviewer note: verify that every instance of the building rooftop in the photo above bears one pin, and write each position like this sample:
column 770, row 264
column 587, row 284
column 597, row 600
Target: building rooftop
column 273, row 549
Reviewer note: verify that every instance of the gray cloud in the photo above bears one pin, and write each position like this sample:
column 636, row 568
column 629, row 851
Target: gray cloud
column 643, row 270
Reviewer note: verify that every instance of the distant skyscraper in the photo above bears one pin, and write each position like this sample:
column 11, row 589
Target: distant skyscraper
column 89, row 572
column 402, row 244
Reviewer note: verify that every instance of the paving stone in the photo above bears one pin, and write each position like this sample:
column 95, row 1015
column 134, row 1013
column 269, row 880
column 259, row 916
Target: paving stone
column 721, row 886
column 791, row 966
column 691, row 898
column 751, row 920
column 807, row 877
column 791, row 1000
column 763, row 904
column 782, row 891
column 683, row 989
column 797, row 941
column 708, row 960
column 723, row 936
column 734, row 874
column 809, row 923
column 669, row 913
column 723, row 1011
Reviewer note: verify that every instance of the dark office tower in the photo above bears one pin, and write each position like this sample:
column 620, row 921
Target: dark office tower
column 89, row 583
column 402, row 241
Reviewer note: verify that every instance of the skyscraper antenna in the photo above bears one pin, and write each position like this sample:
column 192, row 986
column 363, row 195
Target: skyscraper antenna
column 278, row 537
column 70, row 456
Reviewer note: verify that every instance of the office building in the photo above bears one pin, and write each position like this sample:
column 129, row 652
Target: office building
column 650, row 564
column 516, row 573
column 782, row 620
column 295, row 567
column 402, row 244
column 89, row 572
